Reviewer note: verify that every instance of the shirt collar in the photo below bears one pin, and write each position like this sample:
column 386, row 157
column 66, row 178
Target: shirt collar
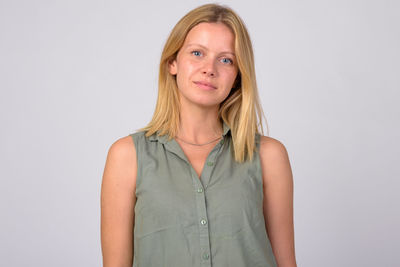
column 164, row 138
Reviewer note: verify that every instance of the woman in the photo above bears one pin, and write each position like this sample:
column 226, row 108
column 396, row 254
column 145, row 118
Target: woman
column 199, row 185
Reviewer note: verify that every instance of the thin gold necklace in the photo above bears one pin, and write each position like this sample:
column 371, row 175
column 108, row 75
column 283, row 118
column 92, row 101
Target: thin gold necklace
column 198, row 144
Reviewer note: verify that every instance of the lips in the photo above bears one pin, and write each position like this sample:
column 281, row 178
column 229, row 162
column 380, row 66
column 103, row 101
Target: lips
column 205, row 85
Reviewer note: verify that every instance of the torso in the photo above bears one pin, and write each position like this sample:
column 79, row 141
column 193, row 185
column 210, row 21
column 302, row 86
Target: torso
column 165, row 200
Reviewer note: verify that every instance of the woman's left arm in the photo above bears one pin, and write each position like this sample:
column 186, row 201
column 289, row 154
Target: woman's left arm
column 278, row 200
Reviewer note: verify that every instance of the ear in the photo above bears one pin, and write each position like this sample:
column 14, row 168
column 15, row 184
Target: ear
column 172, row 67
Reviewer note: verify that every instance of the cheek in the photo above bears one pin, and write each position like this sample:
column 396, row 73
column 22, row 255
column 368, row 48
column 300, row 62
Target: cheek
column 188, row 68
column 185, row 73
column 230, row 78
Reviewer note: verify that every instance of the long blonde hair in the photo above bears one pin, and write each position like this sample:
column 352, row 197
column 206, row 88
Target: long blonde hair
column 241, row 110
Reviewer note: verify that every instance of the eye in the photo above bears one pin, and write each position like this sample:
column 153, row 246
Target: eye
column 230, row 61
column 196, row 52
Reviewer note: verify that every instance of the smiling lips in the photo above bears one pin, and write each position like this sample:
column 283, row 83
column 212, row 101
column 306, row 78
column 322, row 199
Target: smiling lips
column 205, row 85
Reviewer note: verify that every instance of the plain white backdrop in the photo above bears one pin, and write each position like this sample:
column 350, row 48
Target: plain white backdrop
column 75, row 76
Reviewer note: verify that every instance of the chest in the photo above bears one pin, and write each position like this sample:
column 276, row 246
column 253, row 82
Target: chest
column 173, row 206
column 169, row 194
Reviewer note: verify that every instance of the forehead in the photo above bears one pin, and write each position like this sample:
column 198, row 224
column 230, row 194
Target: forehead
column 215, row 36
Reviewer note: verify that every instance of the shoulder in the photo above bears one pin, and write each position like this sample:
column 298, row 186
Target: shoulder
column 126, row 147
column 274, row 160
column 271, row 147
column 121, row 163
column 123, row 148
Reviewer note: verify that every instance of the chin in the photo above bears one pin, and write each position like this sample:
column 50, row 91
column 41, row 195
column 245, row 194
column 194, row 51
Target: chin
column 200, row 100
column 204, row 102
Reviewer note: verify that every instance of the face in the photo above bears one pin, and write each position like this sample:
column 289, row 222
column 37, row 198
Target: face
column 205, row 66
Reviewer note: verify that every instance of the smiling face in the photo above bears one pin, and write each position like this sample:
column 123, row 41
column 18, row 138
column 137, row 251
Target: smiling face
column 205, row 66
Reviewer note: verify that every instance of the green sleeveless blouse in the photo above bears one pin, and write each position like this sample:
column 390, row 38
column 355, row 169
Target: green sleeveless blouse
column 184, row 221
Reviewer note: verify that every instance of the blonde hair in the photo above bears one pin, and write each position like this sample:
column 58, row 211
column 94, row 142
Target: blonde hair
column 241, row 110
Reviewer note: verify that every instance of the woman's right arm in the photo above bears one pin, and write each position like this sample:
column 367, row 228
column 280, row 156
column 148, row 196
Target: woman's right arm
column 117, row 204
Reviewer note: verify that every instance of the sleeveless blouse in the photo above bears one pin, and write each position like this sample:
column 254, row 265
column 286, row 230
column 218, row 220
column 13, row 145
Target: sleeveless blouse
column 182, row 220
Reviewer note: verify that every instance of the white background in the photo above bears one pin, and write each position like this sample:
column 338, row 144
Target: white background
column 75, row 76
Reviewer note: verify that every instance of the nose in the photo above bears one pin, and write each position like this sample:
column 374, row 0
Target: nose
column 209, row 67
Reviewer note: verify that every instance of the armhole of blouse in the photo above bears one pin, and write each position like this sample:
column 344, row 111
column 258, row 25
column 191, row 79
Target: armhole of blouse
column 257, row 156
column 138, row 163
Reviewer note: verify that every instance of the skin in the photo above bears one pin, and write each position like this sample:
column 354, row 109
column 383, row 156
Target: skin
column 117, row 204
column 278, row 200
column 207, row 60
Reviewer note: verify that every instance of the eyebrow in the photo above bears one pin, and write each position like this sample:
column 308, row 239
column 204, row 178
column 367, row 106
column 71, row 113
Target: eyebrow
column 225, row 52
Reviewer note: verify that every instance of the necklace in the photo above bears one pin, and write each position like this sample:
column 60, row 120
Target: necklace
column 198, row 144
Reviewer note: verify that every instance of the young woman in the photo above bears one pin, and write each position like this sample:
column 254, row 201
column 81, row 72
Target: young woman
column 199, row 185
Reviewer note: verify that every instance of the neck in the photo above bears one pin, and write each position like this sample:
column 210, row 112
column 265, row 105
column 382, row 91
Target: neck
column 199, row 126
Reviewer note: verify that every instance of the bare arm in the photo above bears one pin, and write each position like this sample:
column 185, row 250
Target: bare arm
column 278, row 200
column 117, row 204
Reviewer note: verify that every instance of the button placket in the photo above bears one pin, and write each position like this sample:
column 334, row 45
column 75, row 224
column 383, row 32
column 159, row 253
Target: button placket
column 203, row 221
column 209, row 165
column 200, row 186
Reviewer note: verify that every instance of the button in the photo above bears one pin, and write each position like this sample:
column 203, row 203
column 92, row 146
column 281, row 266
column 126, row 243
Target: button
column 203, row 222
column 210, row 163
column 205, row 256
column 200, row 190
